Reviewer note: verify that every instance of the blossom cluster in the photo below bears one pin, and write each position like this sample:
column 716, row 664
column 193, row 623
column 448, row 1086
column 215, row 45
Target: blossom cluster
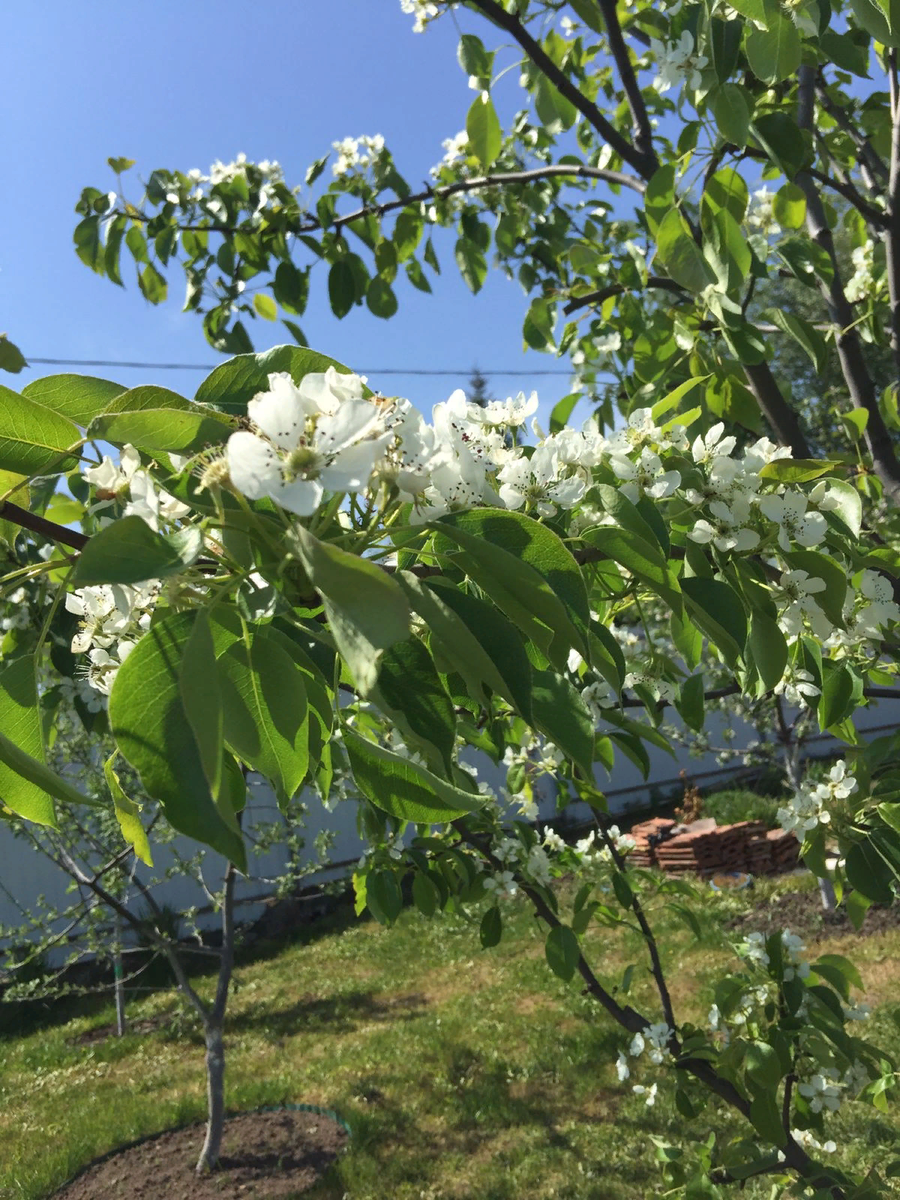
column 810, row 804
column 355, row 154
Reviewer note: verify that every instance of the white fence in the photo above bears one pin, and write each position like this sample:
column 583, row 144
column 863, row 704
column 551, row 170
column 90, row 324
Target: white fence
column 26, row 875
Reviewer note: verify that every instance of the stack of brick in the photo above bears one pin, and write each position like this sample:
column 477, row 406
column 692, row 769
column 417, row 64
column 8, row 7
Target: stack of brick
column 707, row 849
column 785, row 849
column 647, row 836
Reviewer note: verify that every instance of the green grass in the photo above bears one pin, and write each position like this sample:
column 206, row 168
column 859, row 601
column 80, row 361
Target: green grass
column 462, row 1072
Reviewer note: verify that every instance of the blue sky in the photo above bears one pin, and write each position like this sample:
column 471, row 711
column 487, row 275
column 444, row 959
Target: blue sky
column 180, row 85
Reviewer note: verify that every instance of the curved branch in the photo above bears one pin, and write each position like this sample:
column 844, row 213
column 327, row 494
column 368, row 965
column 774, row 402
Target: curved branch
column 855, row 370
column 48, row 529
column 643, row 163
column 643, row 130
column 618, row 289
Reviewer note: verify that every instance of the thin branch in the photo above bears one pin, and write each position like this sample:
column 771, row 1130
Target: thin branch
column 644, row 164
column 850, row 352
column 869, row 158
column 652, row 949
column 48, row 529
column 310, row 224
column 618, row 289
column 643, row 130
column 874, row 216
column 892, row 234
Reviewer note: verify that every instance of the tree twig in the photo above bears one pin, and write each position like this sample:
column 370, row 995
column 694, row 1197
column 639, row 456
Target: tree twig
column 643, row 163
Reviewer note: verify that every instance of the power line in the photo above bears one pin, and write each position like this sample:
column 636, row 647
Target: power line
column 149, row 366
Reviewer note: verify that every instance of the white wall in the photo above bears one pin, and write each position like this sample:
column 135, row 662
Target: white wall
column 25, row 874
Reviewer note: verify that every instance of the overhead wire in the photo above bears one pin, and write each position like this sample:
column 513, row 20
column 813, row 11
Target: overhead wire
column 151, row 366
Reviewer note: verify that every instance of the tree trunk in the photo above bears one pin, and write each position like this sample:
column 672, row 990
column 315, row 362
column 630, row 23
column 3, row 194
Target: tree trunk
column 215, row 1096
column 212, row 1028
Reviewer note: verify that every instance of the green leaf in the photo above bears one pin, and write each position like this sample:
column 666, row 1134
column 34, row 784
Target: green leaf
column 88, row 244
column 426, row 896
column 766, row 1118
column 472, row 264
column 797, row 470
column 366, row 608
column 762, row 1065
column 767, row 645
column 726, row 190
column 789, row 206
column 341, row 287
column 383, row 896
column 153, row 285
column 855, row 422
column 128, row 814
column 233, row 384
column 147, row 397
column 150, row 725
column 79, row 397
column 162, row 430
column 561, row 714
column 804, row 334
column 785, row 144
column 756, row 10
column 34, row 440
column 680, row 254
column 121, row 164
column 483, row 128
column 491, row 928
column 20, row 720
column 380, row 298
column 690, row 703
column 774, row 53
column 831, row 600
column 404, row 789
column 129, row 551
column 659, row 197
column 410, row 691
column 11, row 357
column 640, row 557
column 500, row 641
column 265, row 712
column 265, row 306
column 625, row 513
column 527, row 571
column 724, row 43
column 461, row 639
column 718, row 610
column 837, row 700
column 201, row 695
column 732, row 113
column 562, row 951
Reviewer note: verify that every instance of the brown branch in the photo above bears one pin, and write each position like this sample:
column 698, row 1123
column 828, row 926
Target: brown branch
column 52, row 531
column 775, row 408
column 643, row 163
column 652, row 948
column 892, row 234
column 850, row 351
column 869, row 158
column 643, row 130
column 618, row 289
column 310, row 224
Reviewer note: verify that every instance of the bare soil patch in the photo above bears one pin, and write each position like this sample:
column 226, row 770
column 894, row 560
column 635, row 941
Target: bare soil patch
column 802, row 913
column 265, row 1156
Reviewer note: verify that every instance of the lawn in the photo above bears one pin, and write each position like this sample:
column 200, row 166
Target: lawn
column 462, row 1072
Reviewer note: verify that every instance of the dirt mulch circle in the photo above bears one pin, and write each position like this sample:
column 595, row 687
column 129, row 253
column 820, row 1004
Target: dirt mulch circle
column 92, row 1036
column 802, row 913
column 265, row 1156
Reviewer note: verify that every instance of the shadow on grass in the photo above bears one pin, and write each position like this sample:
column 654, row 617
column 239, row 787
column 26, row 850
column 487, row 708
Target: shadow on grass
column 473, row 1109
column 341, row 1012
